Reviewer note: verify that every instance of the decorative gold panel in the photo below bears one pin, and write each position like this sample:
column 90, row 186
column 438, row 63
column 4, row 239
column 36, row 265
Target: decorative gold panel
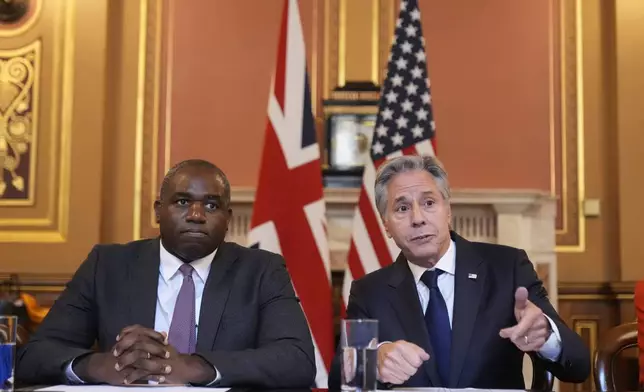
column 152, row 76
column 338, row 32
column 35, row 145
column 586, row 327
column 567, row 123
column 19, row 80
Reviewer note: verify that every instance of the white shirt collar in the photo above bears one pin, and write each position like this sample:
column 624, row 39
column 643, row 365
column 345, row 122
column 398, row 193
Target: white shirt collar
column 170, row 264
column 446, row 263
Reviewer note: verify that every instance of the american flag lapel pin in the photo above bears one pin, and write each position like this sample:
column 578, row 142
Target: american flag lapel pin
column 472, row 276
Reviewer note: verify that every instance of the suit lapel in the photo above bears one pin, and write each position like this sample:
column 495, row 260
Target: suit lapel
column 215, row 296
column 469, row 282
column 143, row 282
column 404, row 298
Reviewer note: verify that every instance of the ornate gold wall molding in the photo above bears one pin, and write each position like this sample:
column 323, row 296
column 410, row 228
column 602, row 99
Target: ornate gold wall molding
column 151, row 76
column 567, row 146
column 587, row 327
column 45, row 218
column 19, row 96
column 340, row 26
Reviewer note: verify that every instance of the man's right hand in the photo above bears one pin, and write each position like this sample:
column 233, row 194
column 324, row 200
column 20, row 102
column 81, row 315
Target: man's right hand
column 136, row 348
column 398, row 361
column 98, row 368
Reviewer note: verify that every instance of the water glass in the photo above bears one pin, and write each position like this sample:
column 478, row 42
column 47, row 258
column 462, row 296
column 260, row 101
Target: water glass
column 8, row 330
column 359, row 345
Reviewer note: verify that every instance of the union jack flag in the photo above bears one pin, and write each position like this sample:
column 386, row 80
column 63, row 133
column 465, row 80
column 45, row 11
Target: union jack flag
column 404, row 125
column 289, row 211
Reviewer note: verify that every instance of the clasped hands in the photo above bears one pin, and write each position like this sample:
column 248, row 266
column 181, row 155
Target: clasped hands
column 142, row 354
column 398, row 361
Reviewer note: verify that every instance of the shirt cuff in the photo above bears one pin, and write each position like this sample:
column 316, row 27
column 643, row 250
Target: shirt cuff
column 216, row 380
column 71, row 377
column 551, row 350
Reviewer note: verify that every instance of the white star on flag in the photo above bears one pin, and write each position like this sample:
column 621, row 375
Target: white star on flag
column 402, row 122
column 411, row 31
column 401, row 63
column 381, row 130
column 411, row 88
column 422, row 114
column 417, row 73
column 415, row 14
column 378, row 147
column 397, row 139
column 417, row 131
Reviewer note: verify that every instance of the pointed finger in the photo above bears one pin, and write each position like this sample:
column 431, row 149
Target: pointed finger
column 507, row 332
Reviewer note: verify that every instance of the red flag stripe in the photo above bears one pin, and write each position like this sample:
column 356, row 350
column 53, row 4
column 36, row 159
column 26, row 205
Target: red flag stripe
column 355, row 265
column 369, row 179
column 372, row 226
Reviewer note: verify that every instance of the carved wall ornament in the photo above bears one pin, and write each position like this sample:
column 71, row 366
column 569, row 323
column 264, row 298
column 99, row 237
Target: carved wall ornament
column 18, row 82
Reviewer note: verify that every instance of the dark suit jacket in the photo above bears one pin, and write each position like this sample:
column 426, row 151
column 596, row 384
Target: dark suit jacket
column 252, row 328
column 480, row 358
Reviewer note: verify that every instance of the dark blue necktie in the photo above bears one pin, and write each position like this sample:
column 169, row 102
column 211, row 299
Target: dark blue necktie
column 437, row 321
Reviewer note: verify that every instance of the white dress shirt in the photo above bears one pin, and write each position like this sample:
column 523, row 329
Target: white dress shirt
column 550, row 350
column 170, row 281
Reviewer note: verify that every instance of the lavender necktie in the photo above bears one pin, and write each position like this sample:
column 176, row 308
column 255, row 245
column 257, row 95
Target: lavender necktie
column 182, row 335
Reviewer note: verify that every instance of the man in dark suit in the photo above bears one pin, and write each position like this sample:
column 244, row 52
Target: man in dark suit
column 187, row 308
column 454, row 313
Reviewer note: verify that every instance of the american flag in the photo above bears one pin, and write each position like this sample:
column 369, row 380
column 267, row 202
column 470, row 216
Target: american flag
column 289, row 211
column 404, row 125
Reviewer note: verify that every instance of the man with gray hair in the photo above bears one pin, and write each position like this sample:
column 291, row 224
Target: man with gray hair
column 454, row 313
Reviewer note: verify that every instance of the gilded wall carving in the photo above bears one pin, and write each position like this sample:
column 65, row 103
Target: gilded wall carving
column 568, row 176
column 19, row 74
column 154, row 18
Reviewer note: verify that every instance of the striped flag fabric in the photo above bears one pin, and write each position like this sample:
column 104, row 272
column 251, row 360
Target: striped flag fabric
column 289, row 210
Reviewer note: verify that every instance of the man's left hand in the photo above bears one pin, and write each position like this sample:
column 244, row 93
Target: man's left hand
column 532, row 329
column 142, row 355
column 177, row 369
